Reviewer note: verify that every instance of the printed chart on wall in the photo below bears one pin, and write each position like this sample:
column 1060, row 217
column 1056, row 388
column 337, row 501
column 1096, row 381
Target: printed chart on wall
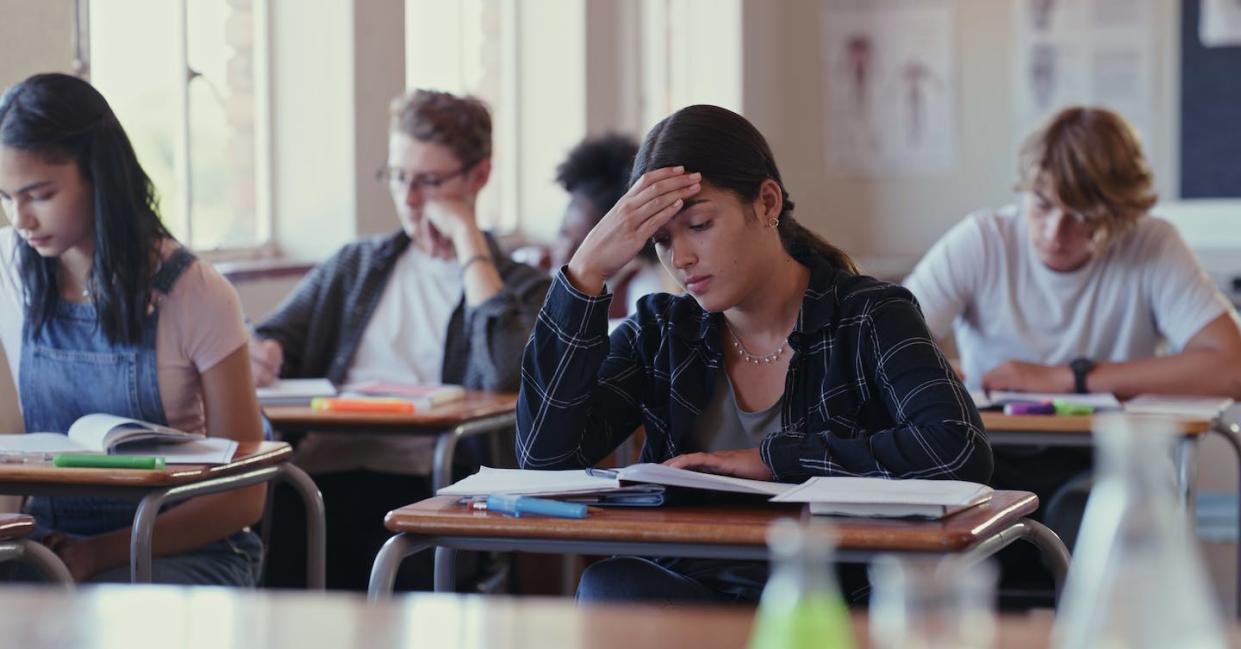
column 890, row 87
column 1093, row 52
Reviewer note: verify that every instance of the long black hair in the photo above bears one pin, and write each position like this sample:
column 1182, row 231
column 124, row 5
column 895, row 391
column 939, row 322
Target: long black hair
column 62, row 118
column 730, row 154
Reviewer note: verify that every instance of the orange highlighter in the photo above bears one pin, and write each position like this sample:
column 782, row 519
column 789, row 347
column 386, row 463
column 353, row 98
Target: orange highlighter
column 363, row 405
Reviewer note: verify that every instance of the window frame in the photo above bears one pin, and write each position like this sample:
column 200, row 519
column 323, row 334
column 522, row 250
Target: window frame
column 264, row 245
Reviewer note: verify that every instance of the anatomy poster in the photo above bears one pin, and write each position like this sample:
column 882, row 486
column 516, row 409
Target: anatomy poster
column 1092, row 52
column 890, row 87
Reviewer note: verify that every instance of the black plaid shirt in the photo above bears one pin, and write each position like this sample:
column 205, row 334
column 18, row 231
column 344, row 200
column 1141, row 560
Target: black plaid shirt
column 867, row 392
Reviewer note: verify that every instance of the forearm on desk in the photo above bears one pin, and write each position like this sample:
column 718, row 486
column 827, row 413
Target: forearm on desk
column 186, row 527
column 1200, row 372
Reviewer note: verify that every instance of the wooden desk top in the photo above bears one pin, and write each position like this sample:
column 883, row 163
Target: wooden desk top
column 249, row 455
column 475, row 405
column 1071, row 425
column 15, row 526
column 159, row 617
column 715, row 524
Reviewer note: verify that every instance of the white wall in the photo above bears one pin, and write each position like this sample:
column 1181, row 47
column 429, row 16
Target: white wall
column 37, row 37
column 892, row 221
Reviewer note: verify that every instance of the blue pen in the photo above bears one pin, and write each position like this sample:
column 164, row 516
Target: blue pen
column 518, row 505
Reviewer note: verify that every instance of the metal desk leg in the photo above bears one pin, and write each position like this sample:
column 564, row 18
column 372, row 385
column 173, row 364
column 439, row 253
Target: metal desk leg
column 1049, row 545
column 316, row 525
column 445, row 570
column 1187, row 473
column 388, row 561
column 441, row 466
column 1231, row 431
column 446, row 444
column 140, row 537
column 40, row 557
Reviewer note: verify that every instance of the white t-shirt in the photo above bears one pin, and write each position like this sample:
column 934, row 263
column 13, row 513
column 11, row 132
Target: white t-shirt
column 200, row 324
column 403, row 343
column 984, row 280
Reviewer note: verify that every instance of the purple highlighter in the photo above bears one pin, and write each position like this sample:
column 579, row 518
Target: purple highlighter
column 1030, row 408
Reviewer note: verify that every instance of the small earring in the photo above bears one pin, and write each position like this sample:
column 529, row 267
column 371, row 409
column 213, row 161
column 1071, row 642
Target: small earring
column 775, row 223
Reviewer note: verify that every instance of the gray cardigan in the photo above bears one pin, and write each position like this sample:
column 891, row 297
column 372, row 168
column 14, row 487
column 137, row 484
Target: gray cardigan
column 321, row 323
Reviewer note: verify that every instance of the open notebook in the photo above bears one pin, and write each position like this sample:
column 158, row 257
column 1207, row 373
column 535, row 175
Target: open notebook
column 643, row 484
column 635, row 485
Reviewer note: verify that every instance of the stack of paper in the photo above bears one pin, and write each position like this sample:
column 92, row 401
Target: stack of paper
column 1178, row 406
column 295, row 392
column 882, row 498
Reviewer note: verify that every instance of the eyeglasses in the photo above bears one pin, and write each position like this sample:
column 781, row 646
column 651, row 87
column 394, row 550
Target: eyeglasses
column 401, row 181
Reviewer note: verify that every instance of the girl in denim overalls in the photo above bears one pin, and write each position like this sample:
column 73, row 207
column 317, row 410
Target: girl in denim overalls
column 96, row 267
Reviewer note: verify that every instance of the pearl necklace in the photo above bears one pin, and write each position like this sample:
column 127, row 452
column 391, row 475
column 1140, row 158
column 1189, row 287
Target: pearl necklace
column 757, row 359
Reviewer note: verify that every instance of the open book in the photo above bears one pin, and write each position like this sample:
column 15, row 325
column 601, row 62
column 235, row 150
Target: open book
column 642, row 485
column 638, row 484
column 883, row 498
column 109, row 434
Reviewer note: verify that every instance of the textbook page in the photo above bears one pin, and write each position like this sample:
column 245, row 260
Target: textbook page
column 528, row 482
column 666, row 475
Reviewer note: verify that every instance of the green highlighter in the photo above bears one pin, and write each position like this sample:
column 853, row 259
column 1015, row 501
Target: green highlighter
column 1071, row 409
column 87, row 461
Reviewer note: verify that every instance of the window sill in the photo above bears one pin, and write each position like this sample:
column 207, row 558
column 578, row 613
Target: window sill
column 272, row 268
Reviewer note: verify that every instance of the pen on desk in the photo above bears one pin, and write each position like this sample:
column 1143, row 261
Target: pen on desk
column 602, row 473
column 90, row 461
column 514, row 505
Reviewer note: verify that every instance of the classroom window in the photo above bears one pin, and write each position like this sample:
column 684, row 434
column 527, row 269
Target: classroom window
column 527, row 61
column 191, row 96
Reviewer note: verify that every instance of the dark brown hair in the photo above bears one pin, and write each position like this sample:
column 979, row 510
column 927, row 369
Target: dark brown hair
column 730, row 154
column 462, row 124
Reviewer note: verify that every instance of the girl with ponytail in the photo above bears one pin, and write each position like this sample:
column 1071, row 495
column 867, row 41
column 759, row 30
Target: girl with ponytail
column 780, row 361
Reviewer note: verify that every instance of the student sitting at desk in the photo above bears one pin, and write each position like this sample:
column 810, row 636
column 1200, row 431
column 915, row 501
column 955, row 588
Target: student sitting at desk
column 434, row 302
column 1074, row 289
column 780, row 363
column 103, row 311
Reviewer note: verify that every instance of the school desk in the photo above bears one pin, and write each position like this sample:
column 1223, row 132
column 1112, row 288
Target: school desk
column 480, row 412
column 1054, row 430
column 254, row 463
column 14, row 546
column 707, row 531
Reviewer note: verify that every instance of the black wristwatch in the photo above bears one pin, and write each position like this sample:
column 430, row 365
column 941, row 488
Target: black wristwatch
column 1081, row 366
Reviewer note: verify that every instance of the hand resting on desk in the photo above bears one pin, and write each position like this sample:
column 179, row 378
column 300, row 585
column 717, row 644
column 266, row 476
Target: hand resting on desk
column 742, row 463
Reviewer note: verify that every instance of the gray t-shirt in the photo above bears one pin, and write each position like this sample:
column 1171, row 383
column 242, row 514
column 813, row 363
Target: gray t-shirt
column 985, row 281
column 723, row 425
